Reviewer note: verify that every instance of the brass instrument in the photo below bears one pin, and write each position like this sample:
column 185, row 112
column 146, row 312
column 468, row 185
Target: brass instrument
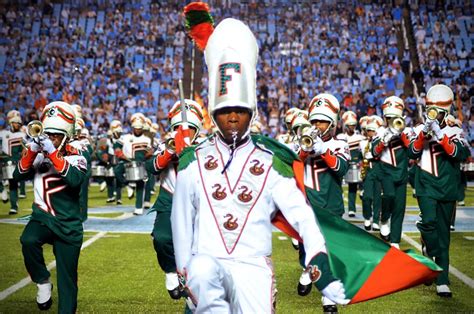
column 34, row 129
column 308, row 136
column 170, row 144
column 397, row 124
column 432, row 113
column 365, row 161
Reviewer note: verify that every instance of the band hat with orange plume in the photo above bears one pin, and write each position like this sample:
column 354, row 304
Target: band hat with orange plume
column 349, row 118
column 59, row 117
column 147, row 125
column 231, row 57
column 199, row 23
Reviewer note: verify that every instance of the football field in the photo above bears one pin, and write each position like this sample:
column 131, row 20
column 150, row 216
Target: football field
column 118, row 270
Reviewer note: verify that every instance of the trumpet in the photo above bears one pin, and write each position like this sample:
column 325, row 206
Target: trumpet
column 308, row 136
column 170, row 144
column 34, row 129
column 397, row 124
column 432, row 113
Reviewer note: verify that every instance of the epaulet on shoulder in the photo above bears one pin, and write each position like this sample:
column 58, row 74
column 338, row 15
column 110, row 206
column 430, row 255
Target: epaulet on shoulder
column 70, row 150
column 283, row 157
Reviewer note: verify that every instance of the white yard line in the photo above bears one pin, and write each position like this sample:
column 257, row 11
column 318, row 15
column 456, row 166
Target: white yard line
column 453, row 270
column 25, row 281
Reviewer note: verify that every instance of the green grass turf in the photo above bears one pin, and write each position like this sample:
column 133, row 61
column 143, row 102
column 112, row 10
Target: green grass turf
column 119, row 273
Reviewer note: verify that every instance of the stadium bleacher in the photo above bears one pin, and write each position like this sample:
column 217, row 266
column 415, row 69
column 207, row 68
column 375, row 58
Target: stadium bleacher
column 349, row 47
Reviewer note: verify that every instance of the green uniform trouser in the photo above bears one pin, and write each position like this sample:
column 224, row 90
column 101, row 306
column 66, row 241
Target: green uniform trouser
column 434, row 229
column 22, row 188
column 393, row 206
column 140, row 185
column 110, row 181
column 352, row 187
column 13, row 194
column 84, row 197
column 149, row 186
column 163, row 242
column 371, row 200
column 33, row 238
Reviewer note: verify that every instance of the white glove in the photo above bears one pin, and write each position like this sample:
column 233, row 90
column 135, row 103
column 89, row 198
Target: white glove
column 318, row 148
column 335, row 292
column 428, row 125
column 387, row 136
column 47, row 145
column 34, row 147
column 437, row 131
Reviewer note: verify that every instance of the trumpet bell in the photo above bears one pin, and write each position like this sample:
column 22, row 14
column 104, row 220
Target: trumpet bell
column 306, row 141
column 170, row 144
column 432, row 113
column 398, row 124
column 34, row 129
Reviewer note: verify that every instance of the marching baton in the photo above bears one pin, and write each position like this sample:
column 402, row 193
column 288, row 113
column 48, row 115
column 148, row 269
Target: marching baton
column 184, row 116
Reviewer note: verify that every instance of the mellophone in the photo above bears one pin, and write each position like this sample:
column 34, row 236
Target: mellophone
column 353, row 174
column 7, row 170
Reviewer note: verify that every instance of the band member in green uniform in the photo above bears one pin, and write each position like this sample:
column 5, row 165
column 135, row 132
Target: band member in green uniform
column 165, row 164
column 440, row 148
column 12, row 145
column 326, row 162
column 390, row 145
column 57, row 170
column 371, row 200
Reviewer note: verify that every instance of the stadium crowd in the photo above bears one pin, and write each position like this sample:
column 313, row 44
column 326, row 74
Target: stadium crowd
column 115, row 58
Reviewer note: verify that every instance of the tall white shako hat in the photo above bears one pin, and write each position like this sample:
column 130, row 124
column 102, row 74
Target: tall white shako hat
column 289, row 114
column 349, row 118
column 116, row 126
column 300, row 118
column 231, row 57
column 59, row 117
column 77, row 110
column 392, row 107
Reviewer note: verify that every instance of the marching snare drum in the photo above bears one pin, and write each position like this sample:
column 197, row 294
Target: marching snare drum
column 109, row 172
column 98, row 171
column 469, row 167
column 135, row 171
column 353, row 174
column 7, row 170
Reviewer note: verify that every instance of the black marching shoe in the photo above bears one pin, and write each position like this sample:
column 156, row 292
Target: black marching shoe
column 329, row 309
column 443, row 291
column 175, row 294
column 304, row 290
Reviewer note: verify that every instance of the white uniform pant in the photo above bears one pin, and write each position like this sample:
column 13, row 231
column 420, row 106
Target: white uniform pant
column 232, row 285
